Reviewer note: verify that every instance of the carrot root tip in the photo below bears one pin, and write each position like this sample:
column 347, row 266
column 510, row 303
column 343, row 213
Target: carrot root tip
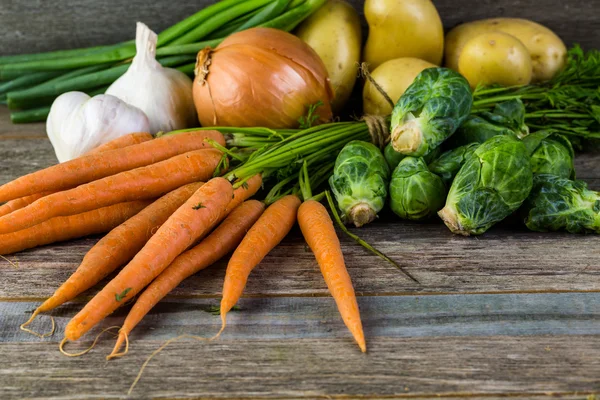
column 24, row 328
column 223, row 324
column 123, row 337
column 61, row 346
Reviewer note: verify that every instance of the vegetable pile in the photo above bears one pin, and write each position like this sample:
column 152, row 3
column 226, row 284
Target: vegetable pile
column 471, row 143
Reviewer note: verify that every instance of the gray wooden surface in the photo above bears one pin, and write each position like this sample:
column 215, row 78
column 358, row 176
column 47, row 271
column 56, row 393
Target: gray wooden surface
column 509, row 314
column 70, row 24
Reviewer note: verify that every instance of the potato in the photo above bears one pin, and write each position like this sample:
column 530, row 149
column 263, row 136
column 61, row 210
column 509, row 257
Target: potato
column 495, row 58
column 548, row 52
column 407, row 28
column 334, row 33
column 394, row 77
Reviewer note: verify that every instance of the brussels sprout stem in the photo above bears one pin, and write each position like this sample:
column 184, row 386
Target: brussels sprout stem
column 407, row 138
column 448, row 215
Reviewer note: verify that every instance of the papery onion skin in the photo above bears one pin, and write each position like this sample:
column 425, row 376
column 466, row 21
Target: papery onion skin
column 261, row 77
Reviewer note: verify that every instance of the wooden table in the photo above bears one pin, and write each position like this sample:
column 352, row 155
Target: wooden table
column 509, row 314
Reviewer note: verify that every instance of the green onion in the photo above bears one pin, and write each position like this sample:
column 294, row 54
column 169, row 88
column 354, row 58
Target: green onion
column 45, row 93
column 26, row 81
column 218, row 20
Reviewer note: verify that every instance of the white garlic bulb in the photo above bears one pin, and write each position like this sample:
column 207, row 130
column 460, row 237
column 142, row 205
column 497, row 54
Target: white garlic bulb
column 164, row 94
column 78, row 123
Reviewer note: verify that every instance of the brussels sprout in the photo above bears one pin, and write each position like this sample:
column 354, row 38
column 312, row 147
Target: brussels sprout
column 510, row 114
column 508, row 118
column 415, row 192
column 449, row 163
column 551, row 153
column 557, row 203
column 393, row 158
column 491, row 184
column 359, row 182
column 430, row 110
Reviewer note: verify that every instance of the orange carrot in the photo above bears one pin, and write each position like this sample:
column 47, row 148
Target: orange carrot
column 118, row 247
column 121, row 142
column 21, row 202
column 142, row 183
column 244, row 192
column 179, row 232
column 318, row 230
column 99, row 165
column 269, row 230
column 220, row 242
column 73, row 226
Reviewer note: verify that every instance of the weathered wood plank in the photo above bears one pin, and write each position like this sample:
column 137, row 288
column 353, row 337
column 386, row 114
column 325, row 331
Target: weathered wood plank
column 312, row 368
column 63, row 24
column 317, row 318
column 502, row 260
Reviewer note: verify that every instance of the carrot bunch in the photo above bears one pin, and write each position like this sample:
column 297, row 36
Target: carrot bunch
column 167, row 218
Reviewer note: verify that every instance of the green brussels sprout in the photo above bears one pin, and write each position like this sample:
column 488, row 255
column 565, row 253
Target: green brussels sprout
column 491, row 184
column 510, row 114
column 449, row 163
column 557, row 203
column 429, row 112
column 508, row 118
column 415, row 192
column 393, row 158
column 359, row 182
column 551, row 153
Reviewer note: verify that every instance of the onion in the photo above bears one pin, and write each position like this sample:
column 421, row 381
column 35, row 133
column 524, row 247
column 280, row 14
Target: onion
column 261, row 77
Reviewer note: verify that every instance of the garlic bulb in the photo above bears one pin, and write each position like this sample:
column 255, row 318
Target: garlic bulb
column 78, row 123
column 164, row 94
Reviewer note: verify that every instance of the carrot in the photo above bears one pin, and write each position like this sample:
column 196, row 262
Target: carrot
column 73, row 226
column 179, row 232
column 142, row 183
column 269, row 230
column 244, row 192
column 99, row 165
column 21, row 202
column 220, row 242
column 121, row 142
column 317, row 228
column 118, row 247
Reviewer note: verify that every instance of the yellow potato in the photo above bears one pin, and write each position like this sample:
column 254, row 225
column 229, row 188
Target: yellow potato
column 394, row 77
column 495, row 58
column 407, row 28
column 548, row 52
column 334, row 33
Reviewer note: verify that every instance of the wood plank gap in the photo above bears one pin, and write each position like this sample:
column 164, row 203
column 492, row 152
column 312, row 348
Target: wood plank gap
column 316, row 295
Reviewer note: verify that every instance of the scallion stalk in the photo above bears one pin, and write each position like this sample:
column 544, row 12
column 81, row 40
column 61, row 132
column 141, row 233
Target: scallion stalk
column 42, row 94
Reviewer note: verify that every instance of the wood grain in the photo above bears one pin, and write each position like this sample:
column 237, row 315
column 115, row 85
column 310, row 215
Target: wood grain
column 64, row 24
column 503, row 260
column 289, row 317
column 312, row 368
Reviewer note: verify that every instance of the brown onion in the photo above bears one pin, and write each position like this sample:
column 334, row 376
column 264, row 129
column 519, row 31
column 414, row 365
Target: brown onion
column 260, row 77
